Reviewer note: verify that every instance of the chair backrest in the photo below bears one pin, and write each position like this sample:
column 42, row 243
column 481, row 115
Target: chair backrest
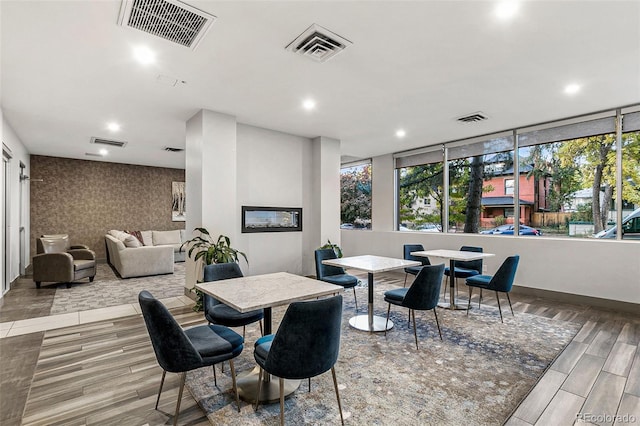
column 471, row 264
column 308, row 340
column 326, row 270
column 409, row 248
column 52, row 244
column 425, row 290
column 174, row 351
column 504, row 277
column 217, row 272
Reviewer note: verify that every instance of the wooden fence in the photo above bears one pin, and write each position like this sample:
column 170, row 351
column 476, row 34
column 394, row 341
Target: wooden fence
column 549, row 218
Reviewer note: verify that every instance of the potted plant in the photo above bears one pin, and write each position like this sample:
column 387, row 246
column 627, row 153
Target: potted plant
column 336, row 248
column 203, row 247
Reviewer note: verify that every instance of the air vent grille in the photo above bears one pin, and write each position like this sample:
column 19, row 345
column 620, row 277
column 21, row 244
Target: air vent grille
column 318, row 43
column 171, row 20
column 472, row 118
column 108, row 142
column 170, row 149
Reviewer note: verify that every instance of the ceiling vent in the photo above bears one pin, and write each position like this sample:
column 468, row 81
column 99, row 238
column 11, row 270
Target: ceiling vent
column 168, row 19
column 108, row 142
column 318, row 43
column 170, row 149
column 472, row 118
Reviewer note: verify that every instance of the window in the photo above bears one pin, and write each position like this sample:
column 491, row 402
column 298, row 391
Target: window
column 508, row 187
column 355, row 196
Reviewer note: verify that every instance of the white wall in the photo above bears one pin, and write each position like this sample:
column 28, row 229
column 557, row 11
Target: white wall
column 595, row 268
column 20, row 154
column 274, row 171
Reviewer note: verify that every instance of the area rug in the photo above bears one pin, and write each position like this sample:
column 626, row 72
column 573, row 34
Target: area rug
column 108, row 289
column 477, row 374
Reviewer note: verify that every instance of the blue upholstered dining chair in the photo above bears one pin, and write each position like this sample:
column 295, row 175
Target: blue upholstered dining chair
column 219, row 313
column 422, row 295
column 180, row 350
column 413, row 270
column 334, row 274
column 306, row 345
column 502, row 281
column 464, row 269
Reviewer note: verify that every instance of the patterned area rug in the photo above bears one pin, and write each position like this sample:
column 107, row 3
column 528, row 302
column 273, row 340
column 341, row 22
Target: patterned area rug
column 477, row 375
column 107, row 289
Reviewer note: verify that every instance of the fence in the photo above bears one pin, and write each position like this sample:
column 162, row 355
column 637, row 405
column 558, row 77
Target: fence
column 549, row 218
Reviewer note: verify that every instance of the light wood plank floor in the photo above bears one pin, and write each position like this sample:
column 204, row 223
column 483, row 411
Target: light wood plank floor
column 596, row 376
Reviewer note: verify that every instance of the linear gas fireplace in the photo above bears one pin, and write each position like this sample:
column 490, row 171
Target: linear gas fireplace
column 271, row 219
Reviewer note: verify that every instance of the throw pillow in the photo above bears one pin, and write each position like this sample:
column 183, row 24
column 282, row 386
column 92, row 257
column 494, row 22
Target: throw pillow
column 132, row 242
column 166, row 237
column 136, row 234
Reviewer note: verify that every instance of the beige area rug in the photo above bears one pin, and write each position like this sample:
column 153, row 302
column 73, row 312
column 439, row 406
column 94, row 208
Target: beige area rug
column 477, row 375
column 108, row 289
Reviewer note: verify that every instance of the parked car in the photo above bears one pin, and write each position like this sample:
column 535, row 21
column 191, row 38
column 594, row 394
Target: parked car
column 347, row 226
column 508, row 230
column 429, row 227
column 630, row 228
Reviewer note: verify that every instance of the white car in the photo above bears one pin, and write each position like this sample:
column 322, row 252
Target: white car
column 630, row 228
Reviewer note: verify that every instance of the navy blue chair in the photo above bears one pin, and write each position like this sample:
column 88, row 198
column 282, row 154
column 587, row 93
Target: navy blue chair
column 464, row 269
column 218, row 313
column 179, row 351
column 306, row 345
column 502, row 281
column 334, row 274
column 423, row 295
column 413, row 270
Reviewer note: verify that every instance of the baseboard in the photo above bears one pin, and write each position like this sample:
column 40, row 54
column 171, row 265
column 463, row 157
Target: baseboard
column 578, row 299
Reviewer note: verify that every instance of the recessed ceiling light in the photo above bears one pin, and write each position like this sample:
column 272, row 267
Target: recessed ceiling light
column 506, row 9
column 103, row 152
column 144, row 55
column 401, row 133
column 113, row 126
column 309, row 104
column 572, row 89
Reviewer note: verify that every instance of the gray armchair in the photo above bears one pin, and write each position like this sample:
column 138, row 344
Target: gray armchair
column 57, row 261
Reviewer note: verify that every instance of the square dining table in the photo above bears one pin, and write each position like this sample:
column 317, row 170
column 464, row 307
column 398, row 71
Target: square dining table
column 452, row 255
column 265, row 291
column 371, row 264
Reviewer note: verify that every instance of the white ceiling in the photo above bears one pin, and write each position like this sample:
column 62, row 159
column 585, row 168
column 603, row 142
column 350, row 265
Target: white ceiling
column 67, row 69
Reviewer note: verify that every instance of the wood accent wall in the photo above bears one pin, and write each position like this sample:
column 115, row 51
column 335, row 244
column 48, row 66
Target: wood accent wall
column 85, row 199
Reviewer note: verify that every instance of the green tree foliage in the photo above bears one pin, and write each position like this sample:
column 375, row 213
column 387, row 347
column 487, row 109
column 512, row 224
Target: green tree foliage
column 355, row 194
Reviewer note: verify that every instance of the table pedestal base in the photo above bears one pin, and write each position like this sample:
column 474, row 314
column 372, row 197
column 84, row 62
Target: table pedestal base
column 270, row 390
column 361, row 322
column 452, row 307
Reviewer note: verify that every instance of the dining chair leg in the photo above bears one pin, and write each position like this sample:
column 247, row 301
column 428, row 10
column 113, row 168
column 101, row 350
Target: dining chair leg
column 309, row 384
column 409, row 319
column 469, row 303
column 437, row 322
column 415, row 332
column 259, row 388
column 215, row 379
column 261, row 332
column 499, row 308
column 244, row 330
column 281, row 383
column 355, row 299
column 175, row 416
column 164, row 373
column 510, row 307
column 335, row 386
column 480, row 300
column 233, row 381
column 387, row 323
column 405, row 279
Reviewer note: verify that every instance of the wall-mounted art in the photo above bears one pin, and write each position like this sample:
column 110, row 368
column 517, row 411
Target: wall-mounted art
column 271, row 219
column 178, row 211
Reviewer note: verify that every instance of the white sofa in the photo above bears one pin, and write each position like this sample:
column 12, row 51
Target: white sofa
column 155, row 255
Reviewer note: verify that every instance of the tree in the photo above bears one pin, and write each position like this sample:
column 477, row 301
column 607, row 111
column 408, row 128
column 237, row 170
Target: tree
column 564, row 178
column 474, row 199
column 355, row 194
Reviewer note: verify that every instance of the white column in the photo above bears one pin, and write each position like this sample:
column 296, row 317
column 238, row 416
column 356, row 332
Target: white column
column 382, row 193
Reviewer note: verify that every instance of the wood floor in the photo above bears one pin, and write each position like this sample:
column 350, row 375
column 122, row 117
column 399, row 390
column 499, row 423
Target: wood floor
column 106, row 372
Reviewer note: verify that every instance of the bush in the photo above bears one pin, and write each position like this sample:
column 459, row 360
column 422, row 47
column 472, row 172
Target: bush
column 500, row 220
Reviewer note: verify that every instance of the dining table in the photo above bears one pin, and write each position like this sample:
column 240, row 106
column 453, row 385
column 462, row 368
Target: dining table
column 452, row 255
column 372, row 264
column 265, row 291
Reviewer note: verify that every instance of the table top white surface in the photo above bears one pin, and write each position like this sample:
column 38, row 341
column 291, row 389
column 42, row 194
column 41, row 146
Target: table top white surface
column 263, row 291
column 371, row 263
column 452, row 254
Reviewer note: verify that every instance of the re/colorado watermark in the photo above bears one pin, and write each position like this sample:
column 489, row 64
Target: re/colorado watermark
column 607, row 418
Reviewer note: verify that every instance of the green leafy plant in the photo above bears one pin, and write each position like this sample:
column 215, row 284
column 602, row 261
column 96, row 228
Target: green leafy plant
column 336, row 248
column 209, row 250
